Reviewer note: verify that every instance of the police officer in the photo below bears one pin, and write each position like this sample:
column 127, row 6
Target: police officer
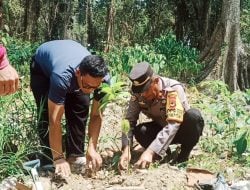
column 63, row 74
column 164, row 101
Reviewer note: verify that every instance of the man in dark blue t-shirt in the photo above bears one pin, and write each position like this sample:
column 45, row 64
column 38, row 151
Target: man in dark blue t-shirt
column 63, row 74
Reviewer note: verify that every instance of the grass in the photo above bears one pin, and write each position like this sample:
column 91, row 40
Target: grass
column 17, row 132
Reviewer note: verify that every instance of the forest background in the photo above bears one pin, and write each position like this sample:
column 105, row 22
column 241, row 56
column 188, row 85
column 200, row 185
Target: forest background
column 203, row 43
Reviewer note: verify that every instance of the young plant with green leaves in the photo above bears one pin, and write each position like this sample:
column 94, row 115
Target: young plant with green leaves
column 117, row 92
column 125, row 129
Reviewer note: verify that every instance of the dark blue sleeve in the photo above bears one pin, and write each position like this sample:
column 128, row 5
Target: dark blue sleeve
column 98, row 95
column 58, row 89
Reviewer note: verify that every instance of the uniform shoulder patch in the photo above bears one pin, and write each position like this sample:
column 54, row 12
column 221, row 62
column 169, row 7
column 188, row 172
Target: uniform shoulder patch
column 174, row 108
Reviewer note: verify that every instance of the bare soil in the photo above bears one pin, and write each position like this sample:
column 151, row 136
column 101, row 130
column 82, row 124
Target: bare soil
column 157, row 177
column 164, row 177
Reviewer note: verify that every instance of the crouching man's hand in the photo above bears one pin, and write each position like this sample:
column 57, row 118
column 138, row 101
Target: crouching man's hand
column 124, row 159
column 62, row 167
column 94, row 160
column 145, row 159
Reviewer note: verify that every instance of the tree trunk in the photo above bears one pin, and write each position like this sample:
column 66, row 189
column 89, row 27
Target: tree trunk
column 244, row 67
column 181, row 17
column 81, row 11
column 192, row 22
column 36, row 6
column 202, row 15
column 59, row 17
column 26, row 19
column 31, row 16
column 110, row 25
column 90, row 28
column 1, row 14
column 221, row 57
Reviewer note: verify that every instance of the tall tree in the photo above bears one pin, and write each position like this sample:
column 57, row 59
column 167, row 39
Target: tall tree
column 36, row 8
column 90, row 26
column 57, row 18
column 26, row 17
column 80, row 23
column 110, row 25
column 30, row 21
column 223, row 53
column 1, row 14
column 81, row 16
column 158, row 17
column 192, row 22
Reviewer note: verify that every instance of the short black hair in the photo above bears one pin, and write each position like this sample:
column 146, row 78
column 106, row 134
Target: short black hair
column 93, row 65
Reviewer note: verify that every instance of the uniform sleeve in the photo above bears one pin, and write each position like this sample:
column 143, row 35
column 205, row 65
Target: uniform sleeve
column 164, row 138
column 182, row 96
column 132, row 116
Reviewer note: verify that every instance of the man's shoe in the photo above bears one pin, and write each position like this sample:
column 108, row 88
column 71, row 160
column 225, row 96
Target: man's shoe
column 180, row 159
column 77, row 164
column 46, row 170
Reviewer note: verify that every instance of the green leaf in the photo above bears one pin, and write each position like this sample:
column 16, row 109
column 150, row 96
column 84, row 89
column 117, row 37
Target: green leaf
column 248, row 120
column 241, row 143
column 107, row 90
column 4, row 41
column 125, row 126
column 6, row 27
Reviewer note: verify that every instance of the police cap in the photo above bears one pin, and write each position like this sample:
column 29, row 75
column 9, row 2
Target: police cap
column 140, row 76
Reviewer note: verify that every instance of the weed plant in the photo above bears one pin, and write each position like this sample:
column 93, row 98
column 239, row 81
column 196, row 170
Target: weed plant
column 18, row 138
column 167, row 57
column 226, row 134
column 19, row 53
column 181, row 60
column 17, row 133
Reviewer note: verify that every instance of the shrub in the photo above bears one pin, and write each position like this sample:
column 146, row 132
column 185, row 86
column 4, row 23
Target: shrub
column 167, row 57
column 181, row 61
column 19, row 53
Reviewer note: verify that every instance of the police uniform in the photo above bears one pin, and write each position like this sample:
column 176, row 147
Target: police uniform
column 172, row 119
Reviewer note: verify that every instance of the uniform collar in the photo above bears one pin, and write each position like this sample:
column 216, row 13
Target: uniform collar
column 162, row 87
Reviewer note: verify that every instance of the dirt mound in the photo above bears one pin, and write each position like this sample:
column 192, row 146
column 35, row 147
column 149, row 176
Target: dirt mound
column 163, row 177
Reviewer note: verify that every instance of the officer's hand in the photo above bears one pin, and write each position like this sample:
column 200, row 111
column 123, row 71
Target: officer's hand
column 145, row 159
column 62, row 167
column 8, row 80
column 124, row 159
column 94, row 160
